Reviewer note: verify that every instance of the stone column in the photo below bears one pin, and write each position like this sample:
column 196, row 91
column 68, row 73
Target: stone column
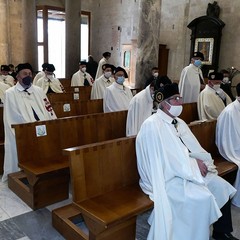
column 73, row 22
column 148, row 39
column 4, row 32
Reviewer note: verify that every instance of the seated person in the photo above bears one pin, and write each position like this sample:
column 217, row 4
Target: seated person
column 100, row 84
column 81, row 77
column 180, row 177
column 40, row 74
column 142, row 106
column 228, row 135
column 156, row 77
column 117, row 97
column 5, row 77
column 226, row 84
column 212, row 99
column 23, row 103
column 48, row 82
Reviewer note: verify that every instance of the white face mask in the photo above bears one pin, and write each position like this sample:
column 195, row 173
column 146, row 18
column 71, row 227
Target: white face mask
column 226, row 79
column 155, row 74
column 175, row 110
column 107, row 74
column 216, row 87
column 84, row 69
column 50, row 76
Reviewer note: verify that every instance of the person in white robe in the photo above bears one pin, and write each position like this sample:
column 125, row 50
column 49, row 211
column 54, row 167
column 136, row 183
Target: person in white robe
column 228, row 138
column 3, row 88
column 103, row 60
column 180, row 177
column 81, row 77
column 142, row 106
column 99, row 86
column 191, row 79
column 23, row 103
column 117, row 97
column 212, row 100
column 40, row 74
column 5, row 77
column 49, row 83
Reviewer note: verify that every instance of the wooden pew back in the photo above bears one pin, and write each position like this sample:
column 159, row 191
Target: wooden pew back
column 64, row 133
column 77, row 107
column 189, row 113
column 102, row 167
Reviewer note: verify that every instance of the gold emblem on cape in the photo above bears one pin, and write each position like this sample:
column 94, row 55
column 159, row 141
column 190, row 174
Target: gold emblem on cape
column 159, row 97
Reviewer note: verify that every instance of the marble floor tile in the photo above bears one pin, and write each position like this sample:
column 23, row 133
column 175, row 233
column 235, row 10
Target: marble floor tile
column 3, row 215
column 60, row 204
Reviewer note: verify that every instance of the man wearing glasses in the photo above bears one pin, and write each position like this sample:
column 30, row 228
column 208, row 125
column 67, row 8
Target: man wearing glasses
column 180, row 177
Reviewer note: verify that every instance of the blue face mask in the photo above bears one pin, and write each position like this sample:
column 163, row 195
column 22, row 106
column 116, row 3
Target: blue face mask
column 120, row 80
column 198, row 63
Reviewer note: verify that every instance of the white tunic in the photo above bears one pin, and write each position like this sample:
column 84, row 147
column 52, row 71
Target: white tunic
column 140, row 108
column 189, row 84
column 185, row 203
column 228, row 140
column 3, row 88
column 53, row 83
column 99, row 69
column 78, row 79
column 209, row 104
column 7, row 79
column 99, row 87
column 116, row 98
column 18, row 106
column 38, row 75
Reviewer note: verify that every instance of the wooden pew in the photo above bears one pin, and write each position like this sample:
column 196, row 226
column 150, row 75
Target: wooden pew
column 44, row 178
column 80, row 107
column 106, row 195
column 106, row 191
column 189, row 113
column 1, row 140
column 83, row 94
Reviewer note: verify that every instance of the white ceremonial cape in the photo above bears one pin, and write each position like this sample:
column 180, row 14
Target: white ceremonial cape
column 7, row 79
column 3, row 88
column 185, row 203
column 228, row 140
column 209, row 104
column 116, row 98
column 54, row 84
column 78, row 79
column 189, row 84
column 99, row 69
column 99, row 87
column 140, row 108
column 18, row 109
column 38, row 75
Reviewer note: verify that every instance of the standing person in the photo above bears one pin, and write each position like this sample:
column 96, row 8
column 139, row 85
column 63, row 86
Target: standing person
column 100, row 84
column 191, row 79
column 49, row 83
column 142, row 106
column 23, row 103
column 226, row 84
column 81, row 77
column 92, row 66
column 117, row 97
column 212, row 100
column 228, row 136
column 103, row 60
column 180, row 177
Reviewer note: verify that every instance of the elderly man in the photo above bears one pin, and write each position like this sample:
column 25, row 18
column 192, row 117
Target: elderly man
column 117, row 97
column 23, row 103
column 48, row 82
column 103, row 60
column 212, row 100
column 180, row 177
column 100, row 84
column 142, row 106
column 191, row 79
column 81, row 77
column 228, row 136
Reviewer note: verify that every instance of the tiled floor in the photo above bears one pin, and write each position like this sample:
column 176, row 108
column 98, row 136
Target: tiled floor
column 19, row 222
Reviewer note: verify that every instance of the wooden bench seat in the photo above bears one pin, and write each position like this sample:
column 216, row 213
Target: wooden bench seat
column 45, row 162
column 106, row 193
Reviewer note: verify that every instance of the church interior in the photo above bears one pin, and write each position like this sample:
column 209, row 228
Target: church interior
column 140, row 35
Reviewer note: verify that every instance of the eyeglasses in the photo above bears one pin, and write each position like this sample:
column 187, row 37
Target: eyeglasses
column 176, row 98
